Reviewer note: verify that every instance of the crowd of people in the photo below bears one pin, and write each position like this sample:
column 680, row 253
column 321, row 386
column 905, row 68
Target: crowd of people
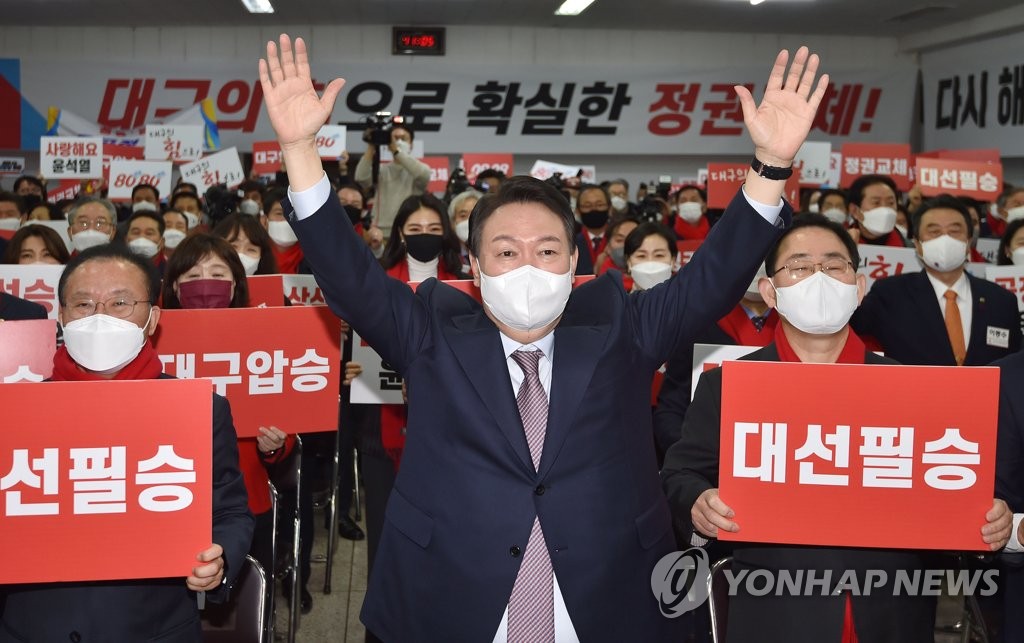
column 202, row 253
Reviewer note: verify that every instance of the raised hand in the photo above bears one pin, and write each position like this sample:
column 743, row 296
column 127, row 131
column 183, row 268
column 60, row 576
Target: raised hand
column 779, row 125
column 296, row 111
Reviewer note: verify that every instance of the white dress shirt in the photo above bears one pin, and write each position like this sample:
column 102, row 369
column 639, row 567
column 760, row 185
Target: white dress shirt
column 962, row 287
column 1014, row 546
column 420, row 271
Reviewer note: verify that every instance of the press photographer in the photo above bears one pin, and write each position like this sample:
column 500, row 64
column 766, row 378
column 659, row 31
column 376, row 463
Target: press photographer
column 395, row 181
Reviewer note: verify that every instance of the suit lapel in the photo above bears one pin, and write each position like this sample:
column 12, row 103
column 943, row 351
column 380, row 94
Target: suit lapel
column 577, row 351
column 979, row 329
column 475, row 342
column 932, row 323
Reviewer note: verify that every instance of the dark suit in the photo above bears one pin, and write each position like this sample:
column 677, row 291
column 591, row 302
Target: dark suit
column 691, row 467
column 905, row 316
column 585, row 261
column 1010, row 484
column 161, row 609
column 17, row 309
column 466, row 494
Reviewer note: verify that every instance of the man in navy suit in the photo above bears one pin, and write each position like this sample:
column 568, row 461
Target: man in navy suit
column 907, row 313
column 477, row 505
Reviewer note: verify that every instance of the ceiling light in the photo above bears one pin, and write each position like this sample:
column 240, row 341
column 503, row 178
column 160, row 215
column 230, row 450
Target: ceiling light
column 754, row 3
column 258, row 6
column 572, row 7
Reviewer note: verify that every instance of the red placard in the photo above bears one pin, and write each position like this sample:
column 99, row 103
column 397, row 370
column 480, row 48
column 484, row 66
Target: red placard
column 64, row 189
column 981, row 181
column 891, row 159
column 265, row 290
column 106, row 461
column 438, row 173
column 115, row 152
column 989, row 155
column 686, row 248
column 277, row 366
column 807, row 462
column 724, row 179
column 26, row 350
column 266, row 157
column 474, row 164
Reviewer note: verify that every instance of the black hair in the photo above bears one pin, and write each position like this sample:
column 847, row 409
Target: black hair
column 394, row 252
column 812, row 220
column 856, row 190
column 111, row 252
column 28, row 178
column 940, row 201
column 587, row 187
column 11, row 197
column 1004, row 242
column 701, row 191
column 834, row 192
column 231, row 225
column 190, row 252
column 521, row 189
column 635, row 239
column 185, row 194
column 146, row 214
column 146, row 186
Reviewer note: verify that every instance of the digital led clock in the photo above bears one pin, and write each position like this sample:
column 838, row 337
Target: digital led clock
column 417, row 41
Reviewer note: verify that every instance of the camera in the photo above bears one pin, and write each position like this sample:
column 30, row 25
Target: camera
column 379, row 126
column 457, row 184
column 221, row 202
column 651, row 208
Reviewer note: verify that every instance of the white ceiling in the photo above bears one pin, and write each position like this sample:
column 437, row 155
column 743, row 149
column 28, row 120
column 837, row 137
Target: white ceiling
column 888, row 18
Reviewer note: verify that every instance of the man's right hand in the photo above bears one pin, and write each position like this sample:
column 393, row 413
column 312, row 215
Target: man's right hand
column 709, row 514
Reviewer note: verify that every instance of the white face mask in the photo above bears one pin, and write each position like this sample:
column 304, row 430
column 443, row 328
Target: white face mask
column 619, row 204
column 879, row 221
column 143, row 206
column 103, row 344
column 1017, row 256
column 10, row 223
column 282, row 234
column 173, row 237
column 88, row 239
column 648, row 274
column 249, row 262
column 902, row 229
column 689, row 211
column 250, row 207
column 835, row 215
column 819, row 305
column 193, row 219
column 144, row 247
column 1015, row 213
column 462, row 230
column 944, row 253
column 526, row 298
column 813, row 207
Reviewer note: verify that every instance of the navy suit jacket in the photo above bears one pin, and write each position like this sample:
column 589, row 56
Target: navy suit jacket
column 467, row 493
column 15, row 308
column 904, row 315
column 584, row 264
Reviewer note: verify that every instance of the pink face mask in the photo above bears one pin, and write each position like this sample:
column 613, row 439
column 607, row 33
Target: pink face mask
column 205, row 293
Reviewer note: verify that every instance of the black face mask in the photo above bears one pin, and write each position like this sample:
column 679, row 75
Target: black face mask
column 355, row 215
column 423, row 247
column 594, row 218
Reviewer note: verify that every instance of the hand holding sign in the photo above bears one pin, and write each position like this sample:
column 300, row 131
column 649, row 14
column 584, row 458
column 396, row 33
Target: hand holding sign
column 709, row 514
column 996, row 531
column 208, row 576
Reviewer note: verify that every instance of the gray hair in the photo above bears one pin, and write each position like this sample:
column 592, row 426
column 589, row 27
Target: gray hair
column 86, row 200
column 461, row 198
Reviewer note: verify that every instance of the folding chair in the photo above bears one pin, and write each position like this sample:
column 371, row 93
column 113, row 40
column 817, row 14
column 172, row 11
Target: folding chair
column 718, row 598
column 243, row 619
column 288, row 480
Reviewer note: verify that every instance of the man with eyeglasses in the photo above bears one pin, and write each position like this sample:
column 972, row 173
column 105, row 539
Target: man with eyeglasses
column 811, row 282
column 91, row 222
column 106, row 310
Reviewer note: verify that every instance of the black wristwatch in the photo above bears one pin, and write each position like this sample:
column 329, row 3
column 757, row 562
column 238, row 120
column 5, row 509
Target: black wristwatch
column 770, row 172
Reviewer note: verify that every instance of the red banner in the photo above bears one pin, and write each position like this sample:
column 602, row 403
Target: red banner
column 277, row 366
column 266, row 157
column 474, row 164
column 890, row 159
column 988, row 155
column 26, row 350
column 265, row 290
column 809, row 463
column 981, row 181
column 686, row 248
column 726, row 179
column 438, row 173
column 115, row 475
column 115, row 152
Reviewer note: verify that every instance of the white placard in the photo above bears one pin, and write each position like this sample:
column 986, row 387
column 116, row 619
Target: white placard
column 71, row 157
column 416, row 152
column 879, row 262
column 60, row 227
column 173, row 142
column 835, row 170
column 544, row 170
column 708, row 356
column 816, row 158
column 988, row 248
column 12, row 165
column 220, row 167
column 330, row 141
column 126, row 174
column 302, row 290
column 977, row 269
column 34, row 282
column 377, row 384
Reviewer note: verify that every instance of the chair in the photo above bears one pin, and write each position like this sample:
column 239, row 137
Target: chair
column 243, row 619
column 718, row 598
column 288, row 479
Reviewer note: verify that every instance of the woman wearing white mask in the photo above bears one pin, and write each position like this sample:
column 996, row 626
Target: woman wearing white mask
column 650, row 252
column 36, row 244
column 691, row 213
column 251, row 241
column 458, row 211
column 284, row 243
column 873, row 200
column 1011, row 246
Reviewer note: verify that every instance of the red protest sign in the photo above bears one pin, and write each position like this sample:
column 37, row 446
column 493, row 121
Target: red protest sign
column 686, row 248
column 115, row 152
column 986, row 155
column 809, row 463
column 724, row 179
column 64, row 189
column 265, row 290
column 890, row 159
column 474, row 164
column 981, row 181
column 26, row 350
column 438, row 173
column 277, row 366
column 105, row 461
column 266, row 157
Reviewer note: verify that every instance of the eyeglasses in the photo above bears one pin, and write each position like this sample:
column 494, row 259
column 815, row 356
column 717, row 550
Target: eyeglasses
column 835, row 268
column 99, row 224
column 115, row 307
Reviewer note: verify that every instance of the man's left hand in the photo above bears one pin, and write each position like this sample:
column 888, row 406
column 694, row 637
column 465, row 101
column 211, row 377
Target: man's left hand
column 996, row 531
column 209, row 574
